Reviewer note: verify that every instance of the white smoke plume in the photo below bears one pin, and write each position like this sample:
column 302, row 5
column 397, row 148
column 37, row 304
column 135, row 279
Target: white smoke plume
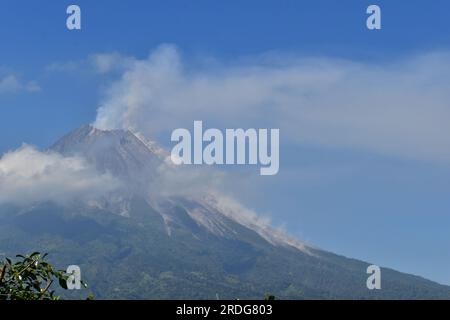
column 398, row 108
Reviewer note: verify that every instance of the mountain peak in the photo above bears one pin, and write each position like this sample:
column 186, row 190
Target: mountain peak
column 120, row 152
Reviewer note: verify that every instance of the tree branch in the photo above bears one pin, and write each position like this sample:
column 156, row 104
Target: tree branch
column 2, row 273
column 46, row 288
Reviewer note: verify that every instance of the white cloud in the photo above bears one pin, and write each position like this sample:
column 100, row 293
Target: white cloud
column 108, row 62
column 12, row 84
column 28, row 175
column 396, row 109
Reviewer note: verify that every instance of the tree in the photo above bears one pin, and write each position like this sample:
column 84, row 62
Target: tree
column 30, row 278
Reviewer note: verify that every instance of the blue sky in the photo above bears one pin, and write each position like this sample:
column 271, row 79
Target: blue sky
column 385, row 207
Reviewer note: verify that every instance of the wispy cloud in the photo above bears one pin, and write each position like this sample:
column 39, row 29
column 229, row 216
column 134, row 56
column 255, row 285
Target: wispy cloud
column 97, row 63
column 12, row 84
column 398, row 108
column 107, row 62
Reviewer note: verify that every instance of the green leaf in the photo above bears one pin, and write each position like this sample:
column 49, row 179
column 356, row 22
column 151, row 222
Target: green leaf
column 63, row 283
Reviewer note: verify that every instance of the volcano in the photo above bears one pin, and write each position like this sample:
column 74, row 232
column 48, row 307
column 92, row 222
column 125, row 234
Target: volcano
column 142, row 241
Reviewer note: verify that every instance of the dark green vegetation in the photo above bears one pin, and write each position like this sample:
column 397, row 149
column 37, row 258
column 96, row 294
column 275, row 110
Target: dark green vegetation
column 30, row 278
column 136, row 258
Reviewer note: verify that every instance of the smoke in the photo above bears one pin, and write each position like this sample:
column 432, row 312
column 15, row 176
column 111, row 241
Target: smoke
column 250, row 219
column 398, row 108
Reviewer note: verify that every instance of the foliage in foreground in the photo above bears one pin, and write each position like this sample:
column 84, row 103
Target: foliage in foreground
column 31, row 277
